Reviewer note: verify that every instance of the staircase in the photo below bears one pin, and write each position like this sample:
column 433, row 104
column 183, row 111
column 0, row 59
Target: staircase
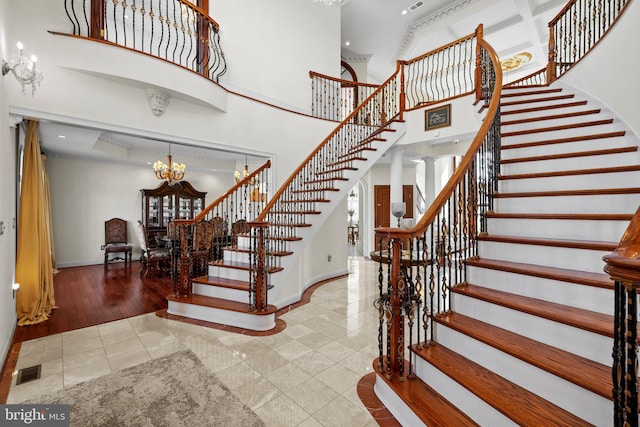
column 222, row 295
column 530, row 335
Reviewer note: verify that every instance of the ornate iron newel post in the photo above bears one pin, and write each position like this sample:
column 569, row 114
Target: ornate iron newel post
column 181, row 259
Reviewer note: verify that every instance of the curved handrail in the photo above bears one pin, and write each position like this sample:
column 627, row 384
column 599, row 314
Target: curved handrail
column 174, row 30
column 465, row 163
column 624, row 262
column 342, row 81
column 333, row 98
column 537, row 78
column 305, row 163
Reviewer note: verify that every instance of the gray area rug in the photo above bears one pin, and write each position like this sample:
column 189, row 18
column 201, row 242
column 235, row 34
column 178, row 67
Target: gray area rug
column 175, row 390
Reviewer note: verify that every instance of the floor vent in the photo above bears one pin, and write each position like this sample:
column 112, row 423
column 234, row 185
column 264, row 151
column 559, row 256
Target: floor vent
column 28, row 374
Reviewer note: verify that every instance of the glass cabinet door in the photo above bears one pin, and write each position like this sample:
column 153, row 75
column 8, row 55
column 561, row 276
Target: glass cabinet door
column 184, row 208
column 198, row 205
column 167, row 210
column 153, row 212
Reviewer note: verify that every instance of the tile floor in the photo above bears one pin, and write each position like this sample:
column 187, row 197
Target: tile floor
column 304, row 376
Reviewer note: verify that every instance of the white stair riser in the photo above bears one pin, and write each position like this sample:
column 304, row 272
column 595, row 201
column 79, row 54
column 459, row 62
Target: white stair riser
column 236, row 256
column 576, row 259
column 541, row 113
column 565, row 133
column 537, row 101
column 574, row 399
column 476, row 408
column 571, row 294
column 562, row 147
column 228, row 273
column 574, row 340
column 538, row 124
column 398, row 408
column 571, row 163
column 225, row 317
column 244, row 241
column 571, row 182
column 604, row 203
column 221, row 292
column 600, row 230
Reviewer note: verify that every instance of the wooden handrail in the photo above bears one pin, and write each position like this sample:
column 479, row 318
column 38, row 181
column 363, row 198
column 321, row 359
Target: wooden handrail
column 530, row 77
column 462, row 169
column 303, row 164
column 203, row 13
column 441, row 48
column 624, row 263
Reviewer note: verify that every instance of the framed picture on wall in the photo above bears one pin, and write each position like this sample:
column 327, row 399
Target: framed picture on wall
column 437, row 117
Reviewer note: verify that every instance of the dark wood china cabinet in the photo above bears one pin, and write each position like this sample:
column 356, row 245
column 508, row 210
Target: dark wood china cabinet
column 168, row 202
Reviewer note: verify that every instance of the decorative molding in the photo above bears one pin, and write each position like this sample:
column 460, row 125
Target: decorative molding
column 15, row 120
column 158, row 101
column 438, row 15
column 355, row 58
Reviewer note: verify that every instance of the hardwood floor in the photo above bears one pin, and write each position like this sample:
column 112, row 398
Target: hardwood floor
column 91, row 295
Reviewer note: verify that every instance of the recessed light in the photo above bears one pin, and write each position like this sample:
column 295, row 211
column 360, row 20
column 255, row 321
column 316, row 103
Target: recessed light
column 347, row 43
column 404, row 11
column 61, row 136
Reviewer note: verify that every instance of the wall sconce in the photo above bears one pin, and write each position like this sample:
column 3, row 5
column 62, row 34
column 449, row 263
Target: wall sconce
column 24, row 70
column 16, row 288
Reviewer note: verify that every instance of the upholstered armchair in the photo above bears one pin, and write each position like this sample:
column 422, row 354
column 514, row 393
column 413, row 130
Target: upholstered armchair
column 116, row 240
column 158, row 258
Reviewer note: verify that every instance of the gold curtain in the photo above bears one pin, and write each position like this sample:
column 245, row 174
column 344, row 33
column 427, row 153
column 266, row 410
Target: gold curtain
column 34, row 261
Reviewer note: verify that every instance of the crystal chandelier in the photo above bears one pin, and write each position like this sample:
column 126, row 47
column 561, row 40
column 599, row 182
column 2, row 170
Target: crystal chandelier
column 245, row 173
column 24, row 70
column 170, row 171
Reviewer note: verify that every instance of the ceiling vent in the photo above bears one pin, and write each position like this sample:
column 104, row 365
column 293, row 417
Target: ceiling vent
column 415, row 6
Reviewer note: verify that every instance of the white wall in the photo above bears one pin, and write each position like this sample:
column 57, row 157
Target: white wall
column 8, row 205
column 609, row 72
column 106, row 190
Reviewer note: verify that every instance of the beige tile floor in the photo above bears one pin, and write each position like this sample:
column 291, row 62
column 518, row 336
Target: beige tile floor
column 304, row 376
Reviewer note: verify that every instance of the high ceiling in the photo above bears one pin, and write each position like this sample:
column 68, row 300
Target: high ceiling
column 378, row 33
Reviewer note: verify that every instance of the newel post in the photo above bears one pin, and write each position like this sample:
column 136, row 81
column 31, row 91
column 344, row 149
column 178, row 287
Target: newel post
column 551, row 60
column 180, row 260
column 96, row 30
column 258, row 287
column 396, row 331
column 478, row 70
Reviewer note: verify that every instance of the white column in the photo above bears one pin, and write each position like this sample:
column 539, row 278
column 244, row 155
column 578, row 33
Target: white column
column 429, row 180
column 395, row 180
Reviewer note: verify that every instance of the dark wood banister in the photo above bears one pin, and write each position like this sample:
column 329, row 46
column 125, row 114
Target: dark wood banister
column 293, row 175
column 459, row 173
column 341, row 81
column 623, row 264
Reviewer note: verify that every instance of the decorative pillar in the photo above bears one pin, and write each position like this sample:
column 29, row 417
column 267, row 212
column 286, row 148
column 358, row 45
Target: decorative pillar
column 429, row 180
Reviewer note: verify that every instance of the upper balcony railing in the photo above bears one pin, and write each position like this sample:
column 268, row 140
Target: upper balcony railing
column 335, row 99
column 173, row 30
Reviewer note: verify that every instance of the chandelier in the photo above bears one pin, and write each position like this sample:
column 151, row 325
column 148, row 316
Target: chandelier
column 170, row 171
column 245, row 173
column 24, row 70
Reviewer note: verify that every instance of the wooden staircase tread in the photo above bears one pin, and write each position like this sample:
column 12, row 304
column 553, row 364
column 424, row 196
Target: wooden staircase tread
column 570, row 155
column 564, row 140
column 222, row 282
column 222, row 304
column 563, row 193
column 592, row 171
column 598, row 323
column 314, row 190
column 530, row 92
column 347, row 160
column 558, row 243
column 569, row 216
column 286, row 238
column 549, row 117
column 247, row 250
column 344, row 168
column 557, row 128
column 306, row 201
column 425, row 402
column 290, row 224
column 594, row 376
column 358, row 150
column 545, row 107
column 308, row 212
column 515, row 402
column 237, row 265
column 319, row 180
column 534, row 100
column 586, row 278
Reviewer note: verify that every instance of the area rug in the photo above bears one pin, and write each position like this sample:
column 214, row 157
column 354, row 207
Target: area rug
column 175, row 390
